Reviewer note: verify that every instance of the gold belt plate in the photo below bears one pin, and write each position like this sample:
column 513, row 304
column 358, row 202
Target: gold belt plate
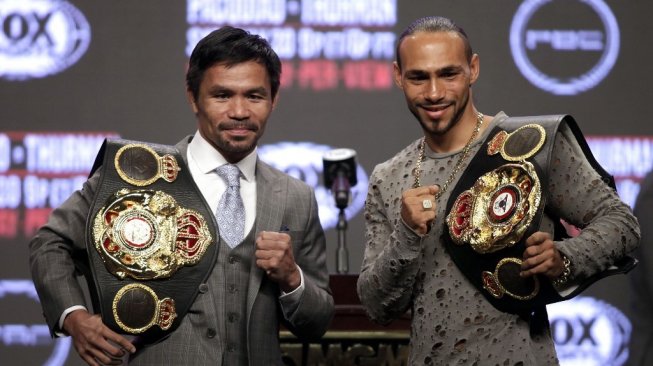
column 140, row 165
column 496, row 212
column 145, row 235
column 136, row 308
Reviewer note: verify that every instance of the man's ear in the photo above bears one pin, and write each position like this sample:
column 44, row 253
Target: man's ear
column 191, row 101
column 397, row 74
column 474, row 68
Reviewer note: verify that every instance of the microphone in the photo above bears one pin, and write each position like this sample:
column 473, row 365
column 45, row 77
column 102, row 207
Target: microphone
column 340, row 174
column 339, row 177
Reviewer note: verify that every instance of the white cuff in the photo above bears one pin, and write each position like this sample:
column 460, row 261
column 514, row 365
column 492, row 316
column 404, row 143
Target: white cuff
column 60, row 332
column 290, row 300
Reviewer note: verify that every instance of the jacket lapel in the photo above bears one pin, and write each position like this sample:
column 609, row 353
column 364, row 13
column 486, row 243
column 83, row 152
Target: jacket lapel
column 270, row 207
column 182, row 146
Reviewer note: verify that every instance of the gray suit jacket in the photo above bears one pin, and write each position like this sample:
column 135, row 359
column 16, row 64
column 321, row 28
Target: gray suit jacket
column 58, row 250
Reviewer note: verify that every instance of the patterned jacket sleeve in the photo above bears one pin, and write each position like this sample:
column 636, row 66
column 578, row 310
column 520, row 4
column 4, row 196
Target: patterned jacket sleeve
column 56, row 252
column 577, row 193
column 391, row 259
column 312, row 315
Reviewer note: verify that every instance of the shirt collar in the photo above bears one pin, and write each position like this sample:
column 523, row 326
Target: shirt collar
column 208, row 158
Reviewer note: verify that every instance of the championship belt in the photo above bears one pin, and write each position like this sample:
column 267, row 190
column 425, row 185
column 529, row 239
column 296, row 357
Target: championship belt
column 149, row 238
column 498, row 203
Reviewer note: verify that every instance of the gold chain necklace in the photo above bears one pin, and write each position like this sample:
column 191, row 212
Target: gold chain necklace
column 463, row 156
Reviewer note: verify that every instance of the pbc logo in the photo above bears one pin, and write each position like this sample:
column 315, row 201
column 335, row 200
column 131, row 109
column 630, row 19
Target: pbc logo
column 40, row 37
column 587, row 331
column 565, row 40
column 563, row 54
column 303, row 161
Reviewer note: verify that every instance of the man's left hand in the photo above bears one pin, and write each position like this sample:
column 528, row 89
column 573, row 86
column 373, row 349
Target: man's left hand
column 541, row 257
column 274, row 255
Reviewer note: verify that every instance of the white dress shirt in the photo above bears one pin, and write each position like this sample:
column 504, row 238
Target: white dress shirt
column 203, row 160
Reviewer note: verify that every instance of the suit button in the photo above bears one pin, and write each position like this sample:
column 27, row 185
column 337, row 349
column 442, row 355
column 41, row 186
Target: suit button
column 210, row 333
column 232, row 317
column 231, row 348
column 203, row 288
column 233, row 259
column 232, row 288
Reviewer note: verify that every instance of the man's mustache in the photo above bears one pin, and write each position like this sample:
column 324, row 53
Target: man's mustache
column 231, row 125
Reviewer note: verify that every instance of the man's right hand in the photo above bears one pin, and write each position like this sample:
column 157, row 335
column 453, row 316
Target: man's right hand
column 94, row 341
column 413, row 212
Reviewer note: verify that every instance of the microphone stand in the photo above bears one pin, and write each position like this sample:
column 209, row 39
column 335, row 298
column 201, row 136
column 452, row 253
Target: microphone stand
column 341, row 193
column 342, row 255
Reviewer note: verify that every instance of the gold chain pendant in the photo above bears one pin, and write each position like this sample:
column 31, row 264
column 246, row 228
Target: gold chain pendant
column 463, row 156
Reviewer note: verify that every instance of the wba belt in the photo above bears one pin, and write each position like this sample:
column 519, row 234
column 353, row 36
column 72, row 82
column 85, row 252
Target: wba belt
column 499, row 202
column 149, row 238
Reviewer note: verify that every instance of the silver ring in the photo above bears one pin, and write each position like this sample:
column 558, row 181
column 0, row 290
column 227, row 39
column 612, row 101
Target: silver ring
column 427, row 204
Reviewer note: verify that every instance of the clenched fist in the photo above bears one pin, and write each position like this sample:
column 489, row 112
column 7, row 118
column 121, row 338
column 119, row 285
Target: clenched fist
column 418, row 208
column 274, row 255
column 541, row 257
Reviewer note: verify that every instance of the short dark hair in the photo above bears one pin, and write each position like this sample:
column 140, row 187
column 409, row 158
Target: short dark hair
column 230, row 46
column 433, row 24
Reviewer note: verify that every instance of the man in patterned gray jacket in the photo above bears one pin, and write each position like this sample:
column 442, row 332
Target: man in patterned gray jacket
column 418, row 224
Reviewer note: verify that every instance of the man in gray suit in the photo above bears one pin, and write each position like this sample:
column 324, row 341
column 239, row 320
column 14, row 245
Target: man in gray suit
column 276, row 273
